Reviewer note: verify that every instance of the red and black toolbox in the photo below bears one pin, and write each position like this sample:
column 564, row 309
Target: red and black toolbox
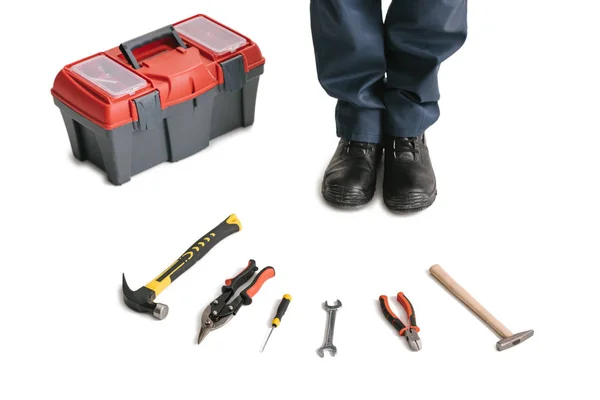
column 159, row 97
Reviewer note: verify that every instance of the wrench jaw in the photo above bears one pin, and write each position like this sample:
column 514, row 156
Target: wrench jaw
column 332, row 349
column 337, row 305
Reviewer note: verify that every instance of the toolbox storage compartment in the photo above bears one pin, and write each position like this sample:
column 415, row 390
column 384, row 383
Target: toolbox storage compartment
column 160, row 97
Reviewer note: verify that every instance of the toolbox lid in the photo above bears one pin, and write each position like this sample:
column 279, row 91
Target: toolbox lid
column 110, row 76
column 214, row 37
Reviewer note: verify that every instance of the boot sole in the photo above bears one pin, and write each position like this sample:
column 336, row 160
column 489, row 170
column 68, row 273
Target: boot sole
column 341, row 197
column 411, row 202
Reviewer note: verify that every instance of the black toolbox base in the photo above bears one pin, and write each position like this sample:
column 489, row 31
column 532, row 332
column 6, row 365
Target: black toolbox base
column 163, row 135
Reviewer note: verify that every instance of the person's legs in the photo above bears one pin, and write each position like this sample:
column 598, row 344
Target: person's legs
column 348, row 40
column 419, row 36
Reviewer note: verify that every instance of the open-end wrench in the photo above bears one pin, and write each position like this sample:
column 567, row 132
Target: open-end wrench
column 328, row 345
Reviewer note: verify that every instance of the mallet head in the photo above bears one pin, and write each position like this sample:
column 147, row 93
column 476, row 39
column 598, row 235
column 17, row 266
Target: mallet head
column 142, row 300
column 513, row 340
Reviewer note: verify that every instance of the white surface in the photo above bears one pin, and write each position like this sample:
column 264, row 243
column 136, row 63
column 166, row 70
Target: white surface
column 515, row 223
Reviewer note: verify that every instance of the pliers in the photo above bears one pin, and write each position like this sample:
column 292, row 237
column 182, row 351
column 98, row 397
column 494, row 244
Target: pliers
column 410, row 332
column 224, row 307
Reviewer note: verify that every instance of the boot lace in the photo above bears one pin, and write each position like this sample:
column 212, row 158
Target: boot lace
column 405, row 145
column 358, row 145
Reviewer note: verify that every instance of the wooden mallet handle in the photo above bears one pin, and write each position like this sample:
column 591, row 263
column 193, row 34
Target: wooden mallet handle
column 460, row 293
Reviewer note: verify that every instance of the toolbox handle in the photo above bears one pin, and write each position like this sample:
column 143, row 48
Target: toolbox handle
column 129, row 46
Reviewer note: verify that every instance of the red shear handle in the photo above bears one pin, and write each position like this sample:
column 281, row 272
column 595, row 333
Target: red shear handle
column 264, row 275
column 410, row 312
column 242, row 277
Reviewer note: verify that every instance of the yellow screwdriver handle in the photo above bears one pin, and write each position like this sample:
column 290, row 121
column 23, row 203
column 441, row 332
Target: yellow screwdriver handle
column 283, row 306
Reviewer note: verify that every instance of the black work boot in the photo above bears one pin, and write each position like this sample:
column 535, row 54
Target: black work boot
column 351, row 176
column 408, row 180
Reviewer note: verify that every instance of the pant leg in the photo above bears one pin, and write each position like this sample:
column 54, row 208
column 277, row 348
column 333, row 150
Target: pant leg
column 348, row 40
column 419, row 36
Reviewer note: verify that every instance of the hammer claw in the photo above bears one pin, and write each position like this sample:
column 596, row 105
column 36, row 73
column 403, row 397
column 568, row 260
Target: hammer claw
column 142, row 300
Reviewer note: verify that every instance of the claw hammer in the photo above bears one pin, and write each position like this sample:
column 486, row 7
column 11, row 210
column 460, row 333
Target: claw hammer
column 142, row 300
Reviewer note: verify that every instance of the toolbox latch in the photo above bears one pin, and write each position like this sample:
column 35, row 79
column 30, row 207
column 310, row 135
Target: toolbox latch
column 234, row 74
column 149, row 111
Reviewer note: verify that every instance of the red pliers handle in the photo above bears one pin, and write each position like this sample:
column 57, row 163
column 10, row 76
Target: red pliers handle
column 410, row 331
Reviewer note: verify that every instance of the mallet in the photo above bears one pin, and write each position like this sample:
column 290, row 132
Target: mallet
column 508, row 338
column 142, row 300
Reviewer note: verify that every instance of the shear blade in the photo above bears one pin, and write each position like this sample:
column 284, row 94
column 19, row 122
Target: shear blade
column 203, row 333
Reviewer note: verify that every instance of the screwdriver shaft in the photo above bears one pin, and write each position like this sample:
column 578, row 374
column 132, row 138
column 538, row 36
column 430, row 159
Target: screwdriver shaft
column 266, row 341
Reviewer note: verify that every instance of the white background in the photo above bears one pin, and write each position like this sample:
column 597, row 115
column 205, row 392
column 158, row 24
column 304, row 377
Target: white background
column 515, row 222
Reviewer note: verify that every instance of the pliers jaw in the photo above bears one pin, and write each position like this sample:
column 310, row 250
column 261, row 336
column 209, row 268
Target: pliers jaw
column 413, row 339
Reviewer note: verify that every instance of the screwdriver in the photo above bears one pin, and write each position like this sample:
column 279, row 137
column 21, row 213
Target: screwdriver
column 285, row 302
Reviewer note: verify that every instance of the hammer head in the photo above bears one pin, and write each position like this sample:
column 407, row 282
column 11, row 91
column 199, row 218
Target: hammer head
column 513, row 340
column 142, row 301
